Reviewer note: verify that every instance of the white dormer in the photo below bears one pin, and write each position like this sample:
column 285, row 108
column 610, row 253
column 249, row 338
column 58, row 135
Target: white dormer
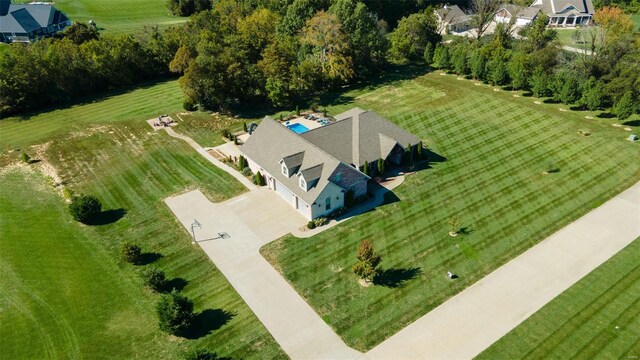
column 285, row 171
column 302, row 183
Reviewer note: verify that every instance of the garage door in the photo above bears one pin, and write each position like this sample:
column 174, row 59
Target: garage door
column 284, row 192
column 301, row 206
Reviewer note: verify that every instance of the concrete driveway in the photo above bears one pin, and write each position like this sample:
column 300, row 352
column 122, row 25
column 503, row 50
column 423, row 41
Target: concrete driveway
column 252, row 220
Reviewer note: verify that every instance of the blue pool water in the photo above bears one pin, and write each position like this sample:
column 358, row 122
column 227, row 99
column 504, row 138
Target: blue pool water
column 298, row 128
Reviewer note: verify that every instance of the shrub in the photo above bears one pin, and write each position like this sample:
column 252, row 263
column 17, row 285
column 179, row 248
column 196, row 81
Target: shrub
column 244, row 127
column 201, row 354
column 130, row 252
column 247, row 171
column 67, row 193
column 321, row 221
column 226, row 133
column 311, row 225
column 365, row 168
column 84, row 207
column 175, row 313
column 154, row 279
column 380, row 166
column 189, row 105
column 258, row 179
column 297, row 110
column 242, row 163
column 26, row 158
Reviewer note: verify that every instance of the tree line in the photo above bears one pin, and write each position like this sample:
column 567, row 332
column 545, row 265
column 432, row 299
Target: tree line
column 604, row 75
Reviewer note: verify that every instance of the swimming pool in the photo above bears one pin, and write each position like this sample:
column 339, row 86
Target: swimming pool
column 298, row 128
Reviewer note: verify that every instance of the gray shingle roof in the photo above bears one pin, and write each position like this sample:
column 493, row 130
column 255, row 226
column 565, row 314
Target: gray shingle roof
column 272, row 142
column 359, row 136
column 24, row 18
column 557, row 7
column 452, row 14
column 512, row 9
column 529, row 12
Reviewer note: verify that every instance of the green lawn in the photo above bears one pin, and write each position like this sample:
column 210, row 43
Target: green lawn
column 636, row 20
column 597, row 318
column 120, row 16
column 206, row 129
column 69, row 295
column 497, row 148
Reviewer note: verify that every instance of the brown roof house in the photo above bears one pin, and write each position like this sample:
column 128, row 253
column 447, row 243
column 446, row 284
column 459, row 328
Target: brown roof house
column 452, row 19
column 314, row 170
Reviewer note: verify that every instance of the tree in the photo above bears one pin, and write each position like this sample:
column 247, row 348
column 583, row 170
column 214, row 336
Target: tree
column 420, row 153
column 570, row 90
column 592, row 94
column 80, row 33
column 258, row 179
column 441, row 57
column 613, row 23
column 625, row 107
column 519, row 71
column 26, row 158
column 154, row 279
column 539, row 82
column 483, row 12
column 428, row 54
column 365, row 168
column 499, row 74
column 459, row 59
column 412, row 35
column 84, row 207
column 297, row 15
column 324, row 33
column 367, row 261
column 408, row 151
column 478, row 64
column 380, row 167
column 130, row 252
column 454, row 225
column 187, row 7
column 175, row 313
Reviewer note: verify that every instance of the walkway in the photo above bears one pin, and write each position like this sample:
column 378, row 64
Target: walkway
column 252, row 220
column 468, row 323
column 233, row 172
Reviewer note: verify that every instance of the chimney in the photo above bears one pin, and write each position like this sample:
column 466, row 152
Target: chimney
column 4, row 7
column 446, row 6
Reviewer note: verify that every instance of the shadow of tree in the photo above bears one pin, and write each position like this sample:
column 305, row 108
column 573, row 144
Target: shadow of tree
column 605, row 115
column 434, row 157
column 632, row 123
column 175, row 284
column 466, row 230
column 394, row 278
column 148, row 258
column 107, row 217
column 207, row 321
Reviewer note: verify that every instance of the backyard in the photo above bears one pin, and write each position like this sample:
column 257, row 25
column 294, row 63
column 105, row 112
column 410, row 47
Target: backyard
column 70, row 295
column 493, row 152
column 598, row 317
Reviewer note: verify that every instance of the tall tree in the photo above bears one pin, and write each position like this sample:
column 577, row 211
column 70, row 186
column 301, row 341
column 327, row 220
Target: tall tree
column 625, row 107
column 413, row 33
column 324, row 33
column 483, row 13
column 367, row 261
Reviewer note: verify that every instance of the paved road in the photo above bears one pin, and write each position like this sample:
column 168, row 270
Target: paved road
column 252, row 220
column 467, row 324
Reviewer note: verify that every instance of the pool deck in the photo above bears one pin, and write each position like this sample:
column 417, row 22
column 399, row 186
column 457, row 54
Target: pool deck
column 309, row 124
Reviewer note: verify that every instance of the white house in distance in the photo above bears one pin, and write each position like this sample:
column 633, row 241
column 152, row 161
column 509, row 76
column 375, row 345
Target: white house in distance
column 314, row 170
column 452, row 19
column 566, row 13
column 518, row 15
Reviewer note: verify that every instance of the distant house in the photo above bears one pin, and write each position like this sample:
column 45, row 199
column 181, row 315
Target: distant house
column 565, row 13
column 315, row 170
column 516, row 15
column 452, row 19
column 28, row 22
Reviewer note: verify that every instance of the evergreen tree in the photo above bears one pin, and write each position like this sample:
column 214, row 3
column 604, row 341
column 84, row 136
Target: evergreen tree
column 592, row 94
column 539, row 82
column 499, row 75
column 625, row 107
column 570, row 91
column 478, row 61
column 441, row 57
column 380, row 167
column 519, row 71
column 365, row 168
column 428, row 54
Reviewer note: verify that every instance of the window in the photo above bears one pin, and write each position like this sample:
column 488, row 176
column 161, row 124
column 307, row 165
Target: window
column 303, row 184
column 327, row 203
column 285, row 171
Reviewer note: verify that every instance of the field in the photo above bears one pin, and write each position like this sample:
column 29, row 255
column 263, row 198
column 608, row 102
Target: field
column 598, row 317
column 492, row 151
column 119, row 16
column 69, row 295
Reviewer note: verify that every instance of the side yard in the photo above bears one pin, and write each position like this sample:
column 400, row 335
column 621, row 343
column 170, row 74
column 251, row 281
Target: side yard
column 110, row 151
column 493, row 150
column 599, row 317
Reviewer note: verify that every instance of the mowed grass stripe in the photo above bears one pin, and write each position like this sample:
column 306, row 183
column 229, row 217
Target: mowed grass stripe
column 497, row 147
column 598, row 317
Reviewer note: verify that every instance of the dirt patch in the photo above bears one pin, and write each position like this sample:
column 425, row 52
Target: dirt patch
column 537, row 102
column 92, row 130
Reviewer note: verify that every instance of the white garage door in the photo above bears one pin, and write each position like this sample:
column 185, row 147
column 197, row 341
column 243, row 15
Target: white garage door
column 284, row 192
column 301, row 206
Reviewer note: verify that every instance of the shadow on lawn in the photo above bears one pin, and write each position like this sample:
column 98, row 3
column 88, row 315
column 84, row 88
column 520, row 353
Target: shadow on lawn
column 107, row 217
column 393, row 278
column 148, row 258
column 207, row 321
column 632, row 123
column 176, row 284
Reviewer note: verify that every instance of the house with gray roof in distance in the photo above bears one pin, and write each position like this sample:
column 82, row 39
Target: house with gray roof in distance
column 516, row 15
column 28, row 22
column 565, row 13
column 316, row 170
column 452, row 19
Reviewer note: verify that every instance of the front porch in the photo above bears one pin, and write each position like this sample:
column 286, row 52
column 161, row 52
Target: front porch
column 569, row 21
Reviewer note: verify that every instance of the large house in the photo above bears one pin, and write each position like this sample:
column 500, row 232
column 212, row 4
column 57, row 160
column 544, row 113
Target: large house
column 566, row 12
column 27, row 22
column 516, row 15
column 315, row 170
column 452, row 19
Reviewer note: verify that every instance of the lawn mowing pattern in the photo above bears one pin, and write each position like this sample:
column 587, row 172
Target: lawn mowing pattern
column 206, row 129
column 131, row 167
column 497, row 147
column 141, row 103
column 598, row 317
column 120, row 16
